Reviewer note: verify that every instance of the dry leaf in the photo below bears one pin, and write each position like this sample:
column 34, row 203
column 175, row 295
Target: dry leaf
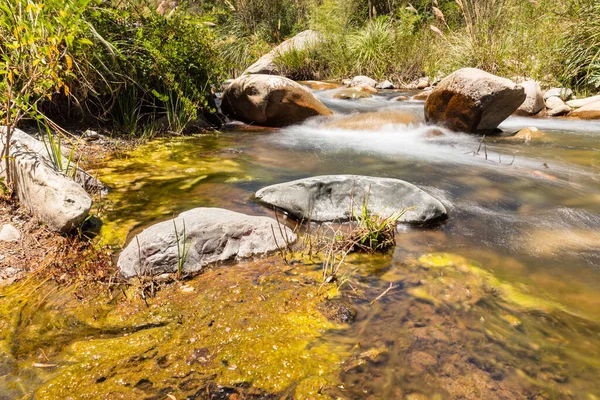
column 436, row 30
column 439, row 14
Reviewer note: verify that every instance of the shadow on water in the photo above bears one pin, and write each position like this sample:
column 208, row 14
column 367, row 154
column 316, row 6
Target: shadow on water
column 502, row 301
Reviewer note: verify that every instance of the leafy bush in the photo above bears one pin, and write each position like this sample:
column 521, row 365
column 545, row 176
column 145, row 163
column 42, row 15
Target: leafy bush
column 36, row 59
column 153, row 66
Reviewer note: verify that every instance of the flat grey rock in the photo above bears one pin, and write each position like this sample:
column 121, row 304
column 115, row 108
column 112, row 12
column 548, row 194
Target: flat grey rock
column 329, row 198
column 212, row 235
column 9, row 233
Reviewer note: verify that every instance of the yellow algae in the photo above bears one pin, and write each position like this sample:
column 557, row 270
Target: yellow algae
column 512, row 320
column 156, row 180
column 463, row 276
column 442, row 260
column 248, row 326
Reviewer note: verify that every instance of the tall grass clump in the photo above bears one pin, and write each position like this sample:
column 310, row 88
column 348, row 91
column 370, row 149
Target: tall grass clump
column 581, row 49
column 504, row 37
column 250, row 28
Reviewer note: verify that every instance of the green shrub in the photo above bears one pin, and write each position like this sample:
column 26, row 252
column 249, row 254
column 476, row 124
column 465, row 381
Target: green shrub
column 36, row 58
column 151, row 66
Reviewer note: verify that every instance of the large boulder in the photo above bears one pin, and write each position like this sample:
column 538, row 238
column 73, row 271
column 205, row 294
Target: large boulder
column 471, row 100
column 211, row 235
column 50, row 195
column 270, row 100
column 82, row 177
column 330, row 198
column 588, row 111
column 534, row 99
column 267, row 64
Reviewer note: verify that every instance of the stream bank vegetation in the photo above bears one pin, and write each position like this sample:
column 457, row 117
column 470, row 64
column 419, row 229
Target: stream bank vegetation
column 329, row 244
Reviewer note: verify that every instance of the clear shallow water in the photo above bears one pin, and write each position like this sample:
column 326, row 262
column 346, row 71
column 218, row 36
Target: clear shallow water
column 508, row 305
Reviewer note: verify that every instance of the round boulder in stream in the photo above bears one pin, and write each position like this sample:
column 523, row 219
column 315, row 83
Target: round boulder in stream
column 472, row 100
column 330, row 197
column 270, row 100
column 209, row 235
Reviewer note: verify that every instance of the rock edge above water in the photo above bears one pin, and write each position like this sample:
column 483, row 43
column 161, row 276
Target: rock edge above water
column 50, row 195
column 212, row 235
column 328, row 198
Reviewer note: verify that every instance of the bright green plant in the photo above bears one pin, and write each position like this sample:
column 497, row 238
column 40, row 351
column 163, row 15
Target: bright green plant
column 182, row 249
column 373, row 232
column 371, row 47
column 35, row 60
column 53, row 142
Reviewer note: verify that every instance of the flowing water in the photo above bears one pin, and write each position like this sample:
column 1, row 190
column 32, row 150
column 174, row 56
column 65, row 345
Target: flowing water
column 501, row 301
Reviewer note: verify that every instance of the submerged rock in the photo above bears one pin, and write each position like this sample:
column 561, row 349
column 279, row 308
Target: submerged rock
column 349, row 94
column 337, row 311
column 270, row 100
column 471, row 100
column 209, row 235
column 50, row 195
column 267, row 64
column 319, row 85
column 332, row 198
column 422, row 96
column 534, row 100
column 525, row 135
column 400, row 98
column 370, row 121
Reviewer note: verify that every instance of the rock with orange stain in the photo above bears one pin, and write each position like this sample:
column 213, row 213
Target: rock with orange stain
column 588, row 111
column 270, row 100
column 472, row 100
column 320, row 85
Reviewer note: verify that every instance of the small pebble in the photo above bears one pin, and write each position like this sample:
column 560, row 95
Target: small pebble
column 9, row 234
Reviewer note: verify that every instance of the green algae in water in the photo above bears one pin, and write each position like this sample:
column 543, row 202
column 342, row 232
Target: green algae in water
column 161, row 178
column 250, row 325
column 512, row 294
